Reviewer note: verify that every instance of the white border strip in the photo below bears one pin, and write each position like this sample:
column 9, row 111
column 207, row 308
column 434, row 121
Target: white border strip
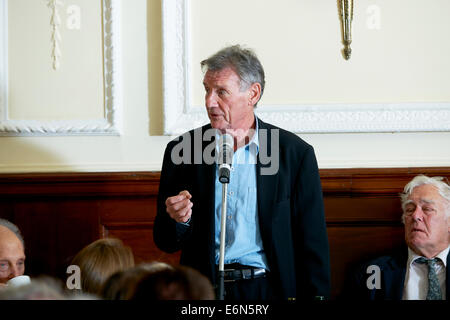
column 180, row 116
column 111, row 124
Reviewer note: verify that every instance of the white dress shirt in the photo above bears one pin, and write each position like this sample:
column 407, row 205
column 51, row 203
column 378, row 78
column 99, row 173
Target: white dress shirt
column 416, row 279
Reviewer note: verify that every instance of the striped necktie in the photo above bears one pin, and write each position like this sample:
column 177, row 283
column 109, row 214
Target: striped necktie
column 434, row 289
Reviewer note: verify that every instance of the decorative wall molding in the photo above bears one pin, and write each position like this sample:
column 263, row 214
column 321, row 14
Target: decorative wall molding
column 111, row 124
column 174, row 66
column 55, row 22
column 180, row 115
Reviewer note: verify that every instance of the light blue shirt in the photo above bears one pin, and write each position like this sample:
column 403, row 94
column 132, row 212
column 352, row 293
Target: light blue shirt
column 243, row 243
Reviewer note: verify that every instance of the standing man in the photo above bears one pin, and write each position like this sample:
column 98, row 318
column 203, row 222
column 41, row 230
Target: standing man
column 12, row 252
column 420, row 271
column 276, row 239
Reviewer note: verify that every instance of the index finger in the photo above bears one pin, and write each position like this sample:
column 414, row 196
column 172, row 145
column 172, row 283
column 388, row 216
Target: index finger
column 186, row 194
column 180, row 197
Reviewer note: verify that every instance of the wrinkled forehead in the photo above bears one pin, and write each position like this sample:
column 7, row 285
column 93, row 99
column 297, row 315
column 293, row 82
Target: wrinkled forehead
column 426, row 192
column 10, row 245
column 221, row 75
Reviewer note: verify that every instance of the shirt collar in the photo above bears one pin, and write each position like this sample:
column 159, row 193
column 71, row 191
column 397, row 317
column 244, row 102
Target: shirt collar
column 255, row 138
column 412, row 256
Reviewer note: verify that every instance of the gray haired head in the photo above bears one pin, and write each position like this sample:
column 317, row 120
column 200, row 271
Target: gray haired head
column 243, row 61
column 442, row 187
column 13, row 228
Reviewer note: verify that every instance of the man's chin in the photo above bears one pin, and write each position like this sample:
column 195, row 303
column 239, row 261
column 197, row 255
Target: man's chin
column 219, row 125
column 416, row 242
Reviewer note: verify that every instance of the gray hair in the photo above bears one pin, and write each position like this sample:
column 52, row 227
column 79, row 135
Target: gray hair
column 13, row 228
column 44, row 288
column 442, row 187
column 243, row 61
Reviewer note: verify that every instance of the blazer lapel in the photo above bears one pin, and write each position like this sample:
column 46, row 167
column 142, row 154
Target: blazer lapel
column 398, row 283
column 396, row 277
column 206, row 174
column 266, row 186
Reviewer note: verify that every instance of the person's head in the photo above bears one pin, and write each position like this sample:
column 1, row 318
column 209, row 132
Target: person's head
column 99, row 260
column 426, row 215
column 121, row 285
column 177, row 283
column 42, row 288
column 234, row 83
column 12, row 251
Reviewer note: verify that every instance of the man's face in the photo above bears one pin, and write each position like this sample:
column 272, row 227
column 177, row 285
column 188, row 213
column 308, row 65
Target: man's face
column 228, row 107
column 427, row 230
column 12, row 256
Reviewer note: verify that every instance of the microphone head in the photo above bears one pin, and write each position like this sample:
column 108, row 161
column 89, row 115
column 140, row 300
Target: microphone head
column 226, row 151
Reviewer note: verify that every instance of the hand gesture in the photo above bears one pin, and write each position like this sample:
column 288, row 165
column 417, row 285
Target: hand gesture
column 179, row 207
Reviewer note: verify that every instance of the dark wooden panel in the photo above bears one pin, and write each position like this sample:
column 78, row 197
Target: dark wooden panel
column 79, row 184
column 54, row 231
column 59, row 213
column 354, row 244
column 373, row 181
column 139, row 236
column 358, row 209
column 131, row 208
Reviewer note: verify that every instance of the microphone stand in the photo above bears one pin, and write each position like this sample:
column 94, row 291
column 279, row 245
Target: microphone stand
column 222, row 242
column 225, row 157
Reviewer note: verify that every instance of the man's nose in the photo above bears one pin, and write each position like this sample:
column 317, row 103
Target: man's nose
column 417, row 215
column 210, row 100
column 14, row 272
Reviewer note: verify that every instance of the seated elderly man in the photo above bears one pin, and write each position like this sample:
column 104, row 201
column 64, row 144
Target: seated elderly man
column 12, row 252
column 420, row 272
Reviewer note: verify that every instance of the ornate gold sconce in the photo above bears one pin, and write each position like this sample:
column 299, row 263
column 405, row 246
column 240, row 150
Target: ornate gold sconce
column 346, row 14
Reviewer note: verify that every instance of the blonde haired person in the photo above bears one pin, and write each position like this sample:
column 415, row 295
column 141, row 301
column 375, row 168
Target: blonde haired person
column 99, row 260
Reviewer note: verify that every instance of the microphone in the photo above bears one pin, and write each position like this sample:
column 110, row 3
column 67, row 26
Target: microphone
column 226, row 151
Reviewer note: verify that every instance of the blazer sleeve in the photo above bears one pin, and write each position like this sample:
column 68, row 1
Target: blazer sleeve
column 169, row 235
column 313, row 271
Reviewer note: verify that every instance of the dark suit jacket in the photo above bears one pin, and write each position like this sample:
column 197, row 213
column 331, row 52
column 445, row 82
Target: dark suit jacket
column 290, row 211
column 393, row 273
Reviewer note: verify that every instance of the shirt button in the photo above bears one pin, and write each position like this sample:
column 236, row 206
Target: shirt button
column 232, row 168
column 231, row 193
column 230, row 217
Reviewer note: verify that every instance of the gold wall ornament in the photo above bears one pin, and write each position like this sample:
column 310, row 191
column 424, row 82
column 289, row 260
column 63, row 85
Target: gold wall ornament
column 346, row 14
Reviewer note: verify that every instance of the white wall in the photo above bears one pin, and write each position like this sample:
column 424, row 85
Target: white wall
column 141, row 146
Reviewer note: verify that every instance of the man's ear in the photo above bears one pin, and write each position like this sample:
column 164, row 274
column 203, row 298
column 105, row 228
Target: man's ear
column 254, row 93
